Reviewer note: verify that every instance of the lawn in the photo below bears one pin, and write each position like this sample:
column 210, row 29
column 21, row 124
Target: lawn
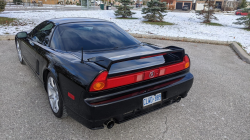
column 214, row 24
column 126, row 18
column 247, row 29
column 175, row 24
column 158, row 23
column 6, row 21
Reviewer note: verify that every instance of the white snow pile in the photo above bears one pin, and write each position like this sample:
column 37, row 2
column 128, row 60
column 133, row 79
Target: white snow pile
column 186, row 24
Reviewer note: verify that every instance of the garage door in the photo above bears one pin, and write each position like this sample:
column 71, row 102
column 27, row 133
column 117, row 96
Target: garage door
column 188, row 4
column 179, row 5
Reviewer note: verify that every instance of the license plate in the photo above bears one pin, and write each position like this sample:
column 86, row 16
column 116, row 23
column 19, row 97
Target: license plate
column 151, row 99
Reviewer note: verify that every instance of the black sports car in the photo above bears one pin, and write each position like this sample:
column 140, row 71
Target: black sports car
column 99, row 74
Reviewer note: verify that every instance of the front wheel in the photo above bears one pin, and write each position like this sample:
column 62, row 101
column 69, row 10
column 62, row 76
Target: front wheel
column 55, row 98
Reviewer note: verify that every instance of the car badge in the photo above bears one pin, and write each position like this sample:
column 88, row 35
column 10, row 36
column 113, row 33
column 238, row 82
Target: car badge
column 151, row 74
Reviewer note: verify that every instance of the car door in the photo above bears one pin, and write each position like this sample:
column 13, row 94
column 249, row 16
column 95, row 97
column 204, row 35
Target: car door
column 37, row 37
column 29, row 50
column 40, row 40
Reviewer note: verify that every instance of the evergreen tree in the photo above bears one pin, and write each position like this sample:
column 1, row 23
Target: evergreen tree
column 2, row 5
column 207, row 14
column 154, row 10
column 244, row 20
column 124, row 10
column 243, row 4
column 17, row 1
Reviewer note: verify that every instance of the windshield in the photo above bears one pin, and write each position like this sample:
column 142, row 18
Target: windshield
column 90, row 36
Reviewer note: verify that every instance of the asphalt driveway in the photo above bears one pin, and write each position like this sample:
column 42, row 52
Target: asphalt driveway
column 217, row 107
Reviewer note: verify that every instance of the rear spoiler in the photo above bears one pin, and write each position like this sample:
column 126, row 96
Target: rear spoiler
column 108, row 62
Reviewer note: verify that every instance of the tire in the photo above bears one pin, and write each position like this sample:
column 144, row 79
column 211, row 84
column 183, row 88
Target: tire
column 55, row 97
column 19, row 53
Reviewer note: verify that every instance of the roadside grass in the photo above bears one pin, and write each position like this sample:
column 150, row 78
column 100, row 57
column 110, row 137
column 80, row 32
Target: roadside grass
column 246, row 29
column 125, row 18
column 6, row 21
column 244, row 48
column 158, row 23
column 239, row 44
column 214, row 24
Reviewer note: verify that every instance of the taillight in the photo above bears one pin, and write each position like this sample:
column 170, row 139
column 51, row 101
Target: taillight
column 100, row 82
column 187, row 61
column 139, row 77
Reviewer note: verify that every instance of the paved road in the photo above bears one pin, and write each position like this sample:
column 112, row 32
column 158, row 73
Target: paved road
column 217, row 107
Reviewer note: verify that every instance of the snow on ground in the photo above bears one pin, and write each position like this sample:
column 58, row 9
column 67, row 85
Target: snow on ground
column 186, row 24
column 31, row 6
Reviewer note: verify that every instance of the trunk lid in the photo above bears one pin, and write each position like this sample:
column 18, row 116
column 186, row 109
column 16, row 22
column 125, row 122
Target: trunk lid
column 122, row 60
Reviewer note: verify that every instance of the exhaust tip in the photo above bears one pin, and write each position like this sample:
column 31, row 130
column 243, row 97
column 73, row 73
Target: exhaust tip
column 178, row 99
column 110, row 124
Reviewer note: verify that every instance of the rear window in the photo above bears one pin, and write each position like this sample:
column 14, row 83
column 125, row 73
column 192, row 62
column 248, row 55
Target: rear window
column 90, row 36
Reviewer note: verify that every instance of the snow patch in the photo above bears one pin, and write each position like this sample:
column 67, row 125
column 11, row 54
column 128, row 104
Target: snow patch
column 186, row 24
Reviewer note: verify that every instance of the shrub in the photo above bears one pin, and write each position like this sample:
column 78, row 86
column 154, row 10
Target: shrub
column 229, row 8
column 154, row 11
column 208, row 13
column 17, row 1
column 2, row 5
column 124, row 9
column 243, row 4
column 244, row 20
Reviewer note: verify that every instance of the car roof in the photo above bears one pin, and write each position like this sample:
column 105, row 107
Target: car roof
column 58, row 21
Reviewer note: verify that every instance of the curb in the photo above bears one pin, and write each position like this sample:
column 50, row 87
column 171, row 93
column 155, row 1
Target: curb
column 241, row 53
column 181, row 39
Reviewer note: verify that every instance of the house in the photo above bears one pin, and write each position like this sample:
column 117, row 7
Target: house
column 181, row 3
column 178, row 4
column 170, row 4
column 230, row 5
column 200, row 4
column 226, row 5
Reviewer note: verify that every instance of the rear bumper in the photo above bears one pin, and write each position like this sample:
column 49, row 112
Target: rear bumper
column 131, row 107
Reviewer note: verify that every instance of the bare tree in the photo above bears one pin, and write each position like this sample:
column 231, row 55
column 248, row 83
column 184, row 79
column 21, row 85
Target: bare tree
column 2, row 5
column 230, row 5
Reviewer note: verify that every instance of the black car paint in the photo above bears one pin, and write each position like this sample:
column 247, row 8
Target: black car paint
column 75, row 77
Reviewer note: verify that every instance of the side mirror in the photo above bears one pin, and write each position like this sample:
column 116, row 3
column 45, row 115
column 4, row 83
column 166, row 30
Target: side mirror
column 22, row 35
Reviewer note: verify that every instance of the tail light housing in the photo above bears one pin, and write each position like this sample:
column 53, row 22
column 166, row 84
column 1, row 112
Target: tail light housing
column 101, row 82
column 187, row 61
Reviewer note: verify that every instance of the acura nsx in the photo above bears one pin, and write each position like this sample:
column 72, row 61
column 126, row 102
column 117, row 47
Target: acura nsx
column 98, row 74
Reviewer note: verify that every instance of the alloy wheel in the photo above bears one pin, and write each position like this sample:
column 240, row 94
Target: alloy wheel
column 53, row 94
column 19, row 52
